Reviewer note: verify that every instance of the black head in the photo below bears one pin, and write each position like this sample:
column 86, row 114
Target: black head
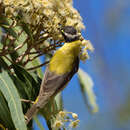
column 69, row 33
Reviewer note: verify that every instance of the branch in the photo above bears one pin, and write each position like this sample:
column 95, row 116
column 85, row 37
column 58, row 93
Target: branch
column 32, row 58
column 33, row 68
column 21, row 45
column 27, row 101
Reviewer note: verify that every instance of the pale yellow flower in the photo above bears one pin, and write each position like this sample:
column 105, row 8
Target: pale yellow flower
column 74, row 124
column 74, row 115
column 58, row 124
column 62, row 114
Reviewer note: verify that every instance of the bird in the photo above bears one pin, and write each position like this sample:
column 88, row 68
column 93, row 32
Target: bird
column 60, row 70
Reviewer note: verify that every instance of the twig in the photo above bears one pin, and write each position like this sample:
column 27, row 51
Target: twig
column 41, row 40
column 13, row 24
column 33, row 68
column 27, row 101
column 36, row 56
column 35, row 52
column 52, row 47
column 31, row 58
column 5, row 37
column 20, row 32
column 21, row 45
column 20, row 58
column 5, row 50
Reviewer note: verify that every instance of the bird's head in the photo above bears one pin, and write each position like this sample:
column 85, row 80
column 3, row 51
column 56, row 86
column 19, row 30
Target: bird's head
column 69, row 33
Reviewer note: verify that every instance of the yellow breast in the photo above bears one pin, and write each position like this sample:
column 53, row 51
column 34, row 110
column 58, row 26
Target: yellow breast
column 64, row 58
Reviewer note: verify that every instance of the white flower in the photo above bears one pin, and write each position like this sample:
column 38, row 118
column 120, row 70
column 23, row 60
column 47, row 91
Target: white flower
column 62, row 114
column 74, row 115
column 58, row 124
column 74, row 124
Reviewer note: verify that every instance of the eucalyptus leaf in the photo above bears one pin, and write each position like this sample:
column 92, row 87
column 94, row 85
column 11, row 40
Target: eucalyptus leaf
column 27, row 30
column 4, row 113
column 59, row 101
column 10, row 93
column 37, row 62
column 23, row 92
column 30, row 84
column 86, row 85
column 5, row 23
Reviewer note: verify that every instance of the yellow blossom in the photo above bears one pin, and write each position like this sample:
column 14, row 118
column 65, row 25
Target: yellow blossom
column 58, row 124
column 74, row 124
column 62, row 114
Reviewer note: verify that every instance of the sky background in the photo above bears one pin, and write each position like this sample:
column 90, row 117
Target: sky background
column 108, row 28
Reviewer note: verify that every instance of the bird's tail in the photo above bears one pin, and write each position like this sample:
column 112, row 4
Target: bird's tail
column 40, row 102
column 31, row 112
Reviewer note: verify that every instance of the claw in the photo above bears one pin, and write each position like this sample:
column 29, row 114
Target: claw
column 36, row 100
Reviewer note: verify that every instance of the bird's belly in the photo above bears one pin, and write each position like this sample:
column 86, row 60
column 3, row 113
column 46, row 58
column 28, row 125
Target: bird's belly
column 62, row 65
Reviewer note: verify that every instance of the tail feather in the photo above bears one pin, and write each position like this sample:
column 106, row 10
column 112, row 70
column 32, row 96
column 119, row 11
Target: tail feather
column 31, row 112
column 42, row 101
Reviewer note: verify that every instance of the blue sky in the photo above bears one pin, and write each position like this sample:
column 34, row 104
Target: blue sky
column 108, row 28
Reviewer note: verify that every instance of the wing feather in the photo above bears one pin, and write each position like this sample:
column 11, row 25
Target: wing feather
column 54, row 83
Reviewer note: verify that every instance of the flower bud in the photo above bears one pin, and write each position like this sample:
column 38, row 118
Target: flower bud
column 74, row 115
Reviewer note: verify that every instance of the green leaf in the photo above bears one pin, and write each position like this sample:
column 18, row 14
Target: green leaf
column 37, row 62
column 10, row 93
column 33, row 63
column 31, row 85
column 3, row 64
column 4, row 113
column 4, row 109
column 59, row 101
column 23, row 93
column 5, row 23
column 27, row 30
column 11, row 32
column 27, row 84
column 86, row 85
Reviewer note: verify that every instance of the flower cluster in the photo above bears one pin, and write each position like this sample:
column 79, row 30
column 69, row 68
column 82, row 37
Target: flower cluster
column 38, row 23
column 86, row 45
column 50, row 13
column 63, row 118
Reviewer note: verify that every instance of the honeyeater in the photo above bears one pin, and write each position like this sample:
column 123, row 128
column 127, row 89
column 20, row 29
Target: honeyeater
column 61, row 68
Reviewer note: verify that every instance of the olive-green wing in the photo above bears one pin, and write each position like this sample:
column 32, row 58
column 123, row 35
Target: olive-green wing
column 53, row 83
